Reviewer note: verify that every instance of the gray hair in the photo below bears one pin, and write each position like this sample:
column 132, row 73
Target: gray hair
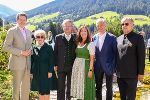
column 102, row 20
column 67, row 20
column 40, row 32
column 127, row 18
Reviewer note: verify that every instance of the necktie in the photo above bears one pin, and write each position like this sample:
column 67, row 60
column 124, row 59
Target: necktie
column 125, row 40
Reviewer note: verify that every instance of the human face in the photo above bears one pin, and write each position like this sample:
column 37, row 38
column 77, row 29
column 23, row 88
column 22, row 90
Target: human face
column 101, row 27
column 84, row 33
column 127, row 26
column 67, row 27
column 21, row 21
column 40, row 38
column 49, row 34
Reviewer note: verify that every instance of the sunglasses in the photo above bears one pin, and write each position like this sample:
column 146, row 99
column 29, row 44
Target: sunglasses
column 125, row 24
column 38, row 37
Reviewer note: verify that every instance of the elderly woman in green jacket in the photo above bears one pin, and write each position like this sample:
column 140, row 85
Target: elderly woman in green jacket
column 42, row 67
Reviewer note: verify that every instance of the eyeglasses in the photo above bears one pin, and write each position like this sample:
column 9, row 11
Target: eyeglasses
column 38, row 37
column 126, row 24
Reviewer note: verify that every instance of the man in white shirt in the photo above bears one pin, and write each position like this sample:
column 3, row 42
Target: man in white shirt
column 105, row 58
column 64, row 49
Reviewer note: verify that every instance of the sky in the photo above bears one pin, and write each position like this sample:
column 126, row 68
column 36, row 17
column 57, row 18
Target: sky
column 23, row 5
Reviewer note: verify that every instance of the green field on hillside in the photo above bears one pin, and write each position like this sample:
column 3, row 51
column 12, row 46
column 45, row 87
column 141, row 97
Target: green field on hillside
column 41, row 17
column 92, row 19
column 139, row 19
column 109, row 15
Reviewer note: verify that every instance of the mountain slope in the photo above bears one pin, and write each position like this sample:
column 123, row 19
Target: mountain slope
column 77, row 9
column 6, row 11
column 110, row 15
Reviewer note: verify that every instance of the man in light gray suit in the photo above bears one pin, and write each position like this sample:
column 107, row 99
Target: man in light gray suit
column 18, row 44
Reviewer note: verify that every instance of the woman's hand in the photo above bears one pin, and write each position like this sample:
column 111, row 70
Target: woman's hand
column 49, row 75
column 90, row 74
column 31, row 76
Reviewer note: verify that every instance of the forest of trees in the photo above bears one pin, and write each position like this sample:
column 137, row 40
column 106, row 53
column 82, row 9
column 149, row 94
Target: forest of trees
column 77, row 9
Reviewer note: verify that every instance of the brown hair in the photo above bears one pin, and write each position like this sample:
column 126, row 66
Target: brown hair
column 79, row 38
column 21, row 14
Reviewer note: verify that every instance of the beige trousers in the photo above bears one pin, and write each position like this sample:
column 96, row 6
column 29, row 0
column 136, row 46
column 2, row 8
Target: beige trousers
column 21, row 84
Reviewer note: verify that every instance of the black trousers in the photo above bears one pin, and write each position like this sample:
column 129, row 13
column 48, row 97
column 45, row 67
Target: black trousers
column 127, row 88
column 99, row 81
column 62, row 83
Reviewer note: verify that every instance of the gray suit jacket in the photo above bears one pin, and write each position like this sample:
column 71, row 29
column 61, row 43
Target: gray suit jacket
column 14, row 44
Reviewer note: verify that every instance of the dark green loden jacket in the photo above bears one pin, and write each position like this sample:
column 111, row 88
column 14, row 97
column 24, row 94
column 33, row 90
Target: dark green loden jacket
column 42, row 62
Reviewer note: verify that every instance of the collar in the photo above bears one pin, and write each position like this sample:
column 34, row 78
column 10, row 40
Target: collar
column 22, row 29
column 126, row 35
column 103, row 35
column 39, row 45
column 67, row 35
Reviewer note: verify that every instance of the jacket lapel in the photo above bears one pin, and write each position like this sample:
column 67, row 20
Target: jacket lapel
column 120, row 40
column 95, row 40
column 28, row 36
column 20, row 34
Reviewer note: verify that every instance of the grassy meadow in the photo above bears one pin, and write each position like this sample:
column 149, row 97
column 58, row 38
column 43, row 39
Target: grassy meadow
column 109, row 15
column 41, row 18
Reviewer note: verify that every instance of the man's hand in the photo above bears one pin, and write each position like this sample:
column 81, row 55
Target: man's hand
column 31, row 76
column 26, row 53
column 49, row 75
column 140, row 77
column 55, row 68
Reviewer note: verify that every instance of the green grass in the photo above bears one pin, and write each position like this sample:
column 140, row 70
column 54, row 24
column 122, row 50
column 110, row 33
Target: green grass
column 92, row 19
column 39, row 18
column 109, row 15
column 42, row 17
column 31, row 27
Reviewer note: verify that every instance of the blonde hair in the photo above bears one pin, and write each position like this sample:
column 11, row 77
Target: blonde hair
column 40, row 32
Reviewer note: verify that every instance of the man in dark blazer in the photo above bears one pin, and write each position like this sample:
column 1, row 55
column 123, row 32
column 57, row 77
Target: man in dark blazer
column 105, row 58
column 65, row 55
column 130, row 60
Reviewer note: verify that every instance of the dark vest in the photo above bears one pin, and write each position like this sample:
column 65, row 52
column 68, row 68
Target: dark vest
column 69, row 53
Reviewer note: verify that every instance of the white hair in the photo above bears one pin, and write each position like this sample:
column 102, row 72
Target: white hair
column 127, row 18
column 40, row 32
column 66, row 20
column 102, row 20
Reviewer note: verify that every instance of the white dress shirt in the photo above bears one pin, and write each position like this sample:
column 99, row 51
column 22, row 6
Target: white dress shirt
column 68, row 37
column 101, row 40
